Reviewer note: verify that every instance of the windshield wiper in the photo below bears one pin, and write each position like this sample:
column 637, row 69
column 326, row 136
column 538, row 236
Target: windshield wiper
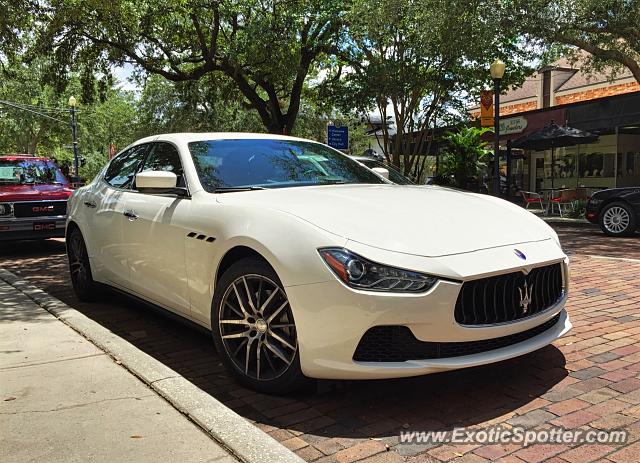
column 233, row 189
column 331, row 182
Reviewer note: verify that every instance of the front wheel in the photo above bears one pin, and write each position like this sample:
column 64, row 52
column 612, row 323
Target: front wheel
column 618, row 219
column 254, row 330
column 81, row 279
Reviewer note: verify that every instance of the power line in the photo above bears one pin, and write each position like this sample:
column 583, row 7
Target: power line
column 23, row 108
column 39, row 107
column 46, row 108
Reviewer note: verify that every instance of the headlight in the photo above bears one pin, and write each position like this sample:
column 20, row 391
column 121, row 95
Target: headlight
column 5, row 209
column 360, row 273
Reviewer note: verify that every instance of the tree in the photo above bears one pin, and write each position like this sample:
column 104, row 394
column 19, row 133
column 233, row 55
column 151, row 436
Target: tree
column 23, row 127
column 16, row 18
column 465, row 158
column 35, row 118
column 266, row 48
column 208, row 105
column 413, row 62
column 607, row 29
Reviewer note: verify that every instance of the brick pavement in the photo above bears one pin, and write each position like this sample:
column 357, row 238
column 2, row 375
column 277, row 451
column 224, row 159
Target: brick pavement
column 589, row 379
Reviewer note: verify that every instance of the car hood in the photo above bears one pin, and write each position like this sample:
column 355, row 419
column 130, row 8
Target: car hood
column 423, row 220
column 34, row 192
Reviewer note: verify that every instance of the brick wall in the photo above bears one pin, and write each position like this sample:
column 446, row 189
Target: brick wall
column 597, row 93
column 517, row 108
column 507, row 109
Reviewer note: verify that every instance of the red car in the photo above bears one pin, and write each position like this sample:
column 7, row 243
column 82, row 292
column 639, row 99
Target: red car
column 33, row 198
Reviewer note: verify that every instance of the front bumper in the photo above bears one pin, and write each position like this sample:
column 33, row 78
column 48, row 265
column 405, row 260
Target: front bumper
column 592, row 211
column 32, row 228
column 331, row 319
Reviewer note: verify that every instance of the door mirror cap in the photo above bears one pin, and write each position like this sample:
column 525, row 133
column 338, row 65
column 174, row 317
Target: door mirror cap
column 382, row 172
column 156, row 179
column 160, row 183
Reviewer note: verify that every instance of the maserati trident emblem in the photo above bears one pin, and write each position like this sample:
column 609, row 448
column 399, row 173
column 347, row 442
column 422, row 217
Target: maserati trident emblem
column 525, row 297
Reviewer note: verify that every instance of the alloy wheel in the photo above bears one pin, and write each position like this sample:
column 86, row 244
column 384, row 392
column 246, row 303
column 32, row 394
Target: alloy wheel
column 257, row 328
column 616, row 219
column 78, row 259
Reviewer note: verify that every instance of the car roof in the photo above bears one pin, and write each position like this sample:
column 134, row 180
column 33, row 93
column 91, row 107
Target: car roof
column 200, row 136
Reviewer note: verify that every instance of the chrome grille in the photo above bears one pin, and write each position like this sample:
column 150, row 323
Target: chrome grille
column 503, row 298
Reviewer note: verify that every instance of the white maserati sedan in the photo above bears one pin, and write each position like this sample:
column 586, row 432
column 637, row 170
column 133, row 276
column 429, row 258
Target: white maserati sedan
column 303, row 263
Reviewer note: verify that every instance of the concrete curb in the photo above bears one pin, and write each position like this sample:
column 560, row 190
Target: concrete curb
column 230, row 430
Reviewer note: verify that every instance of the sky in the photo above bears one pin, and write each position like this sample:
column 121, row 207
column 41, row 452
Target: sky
column 123, row 74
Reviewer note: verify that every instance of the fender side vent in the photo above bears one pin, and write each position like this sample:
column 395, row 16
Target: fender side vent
column 208, row 239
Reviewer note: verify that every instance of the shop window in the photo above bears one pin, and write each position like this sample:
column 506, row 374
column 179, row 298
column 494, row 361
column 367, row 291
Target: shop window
column 628, row 169
column 591, row 165
column 565, row 166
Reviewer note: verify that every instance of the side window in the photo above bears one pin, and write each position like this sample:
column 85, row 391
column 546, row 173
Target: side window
column 123, row 168
column 165, row 157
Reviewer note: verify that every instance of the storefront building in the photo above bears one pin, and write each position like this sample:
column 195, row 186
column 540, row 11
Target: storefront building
column 595, row 103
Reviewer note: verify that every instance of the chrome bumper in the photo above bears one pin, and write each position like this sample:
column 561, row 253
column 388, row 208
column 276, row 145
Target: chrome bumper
column 29, row 228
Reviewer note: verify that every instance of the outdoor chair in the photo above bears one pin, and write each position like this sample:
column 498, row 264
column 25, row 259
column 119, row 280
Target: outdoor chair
column 565, row 198
column 531, row 197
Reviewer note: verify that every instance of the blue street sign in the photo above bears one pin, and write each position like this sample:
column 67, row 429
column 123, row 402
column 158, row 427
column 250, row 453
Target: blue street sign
column 338, row 137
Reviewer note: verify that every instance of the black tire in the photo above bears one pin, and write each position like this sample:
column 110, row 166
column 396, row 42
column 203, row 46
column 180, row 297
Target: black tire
column 618, row 219
column 253, row 339
column 86, row 289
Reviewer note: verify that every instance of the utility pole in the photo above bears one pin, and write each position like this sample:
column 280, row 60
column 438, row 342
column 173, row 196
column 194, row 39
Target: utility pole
column 72, row 106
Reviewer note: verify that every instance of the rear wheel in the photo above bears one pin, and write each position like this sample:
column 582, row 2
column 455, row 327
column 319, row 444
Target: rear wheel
column 254, row 330
column 83, row 284
column 618, row 219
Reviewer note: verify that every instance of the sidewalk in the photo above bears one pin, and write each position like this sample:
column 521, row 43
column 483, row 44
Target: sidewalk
column 63, row 399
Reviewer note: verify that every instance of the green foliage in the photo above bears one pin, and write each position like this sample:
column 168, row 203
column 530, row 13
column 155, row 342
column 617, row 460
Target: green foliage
column 266, row 48
column 20, row 130
column 16, row 19
column 465, row 158
column 91, row 166
column 44, row 126
column 607, row 29
column 413, row 62
column 207, row 105
column 579, row 209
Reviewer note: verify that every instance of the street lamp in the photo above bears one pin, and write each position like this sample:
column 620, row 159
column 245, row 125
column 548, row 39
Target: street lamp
column 497, row 72
column 72, row 106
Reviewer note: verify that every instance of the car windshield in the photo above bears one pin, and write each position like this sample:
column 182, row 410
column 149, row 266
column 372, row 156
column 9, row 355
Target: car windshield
column 394, row 175
column 29, row 171
column 265, row 163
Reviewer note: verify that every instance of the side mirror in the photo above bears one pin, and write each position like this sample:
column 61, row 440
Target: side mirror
column 159, row 182
column 381, row 171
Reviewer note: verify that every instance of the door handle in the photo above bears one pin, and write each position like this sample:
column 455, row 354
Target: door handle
column 90, row 204
column 131, row 215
